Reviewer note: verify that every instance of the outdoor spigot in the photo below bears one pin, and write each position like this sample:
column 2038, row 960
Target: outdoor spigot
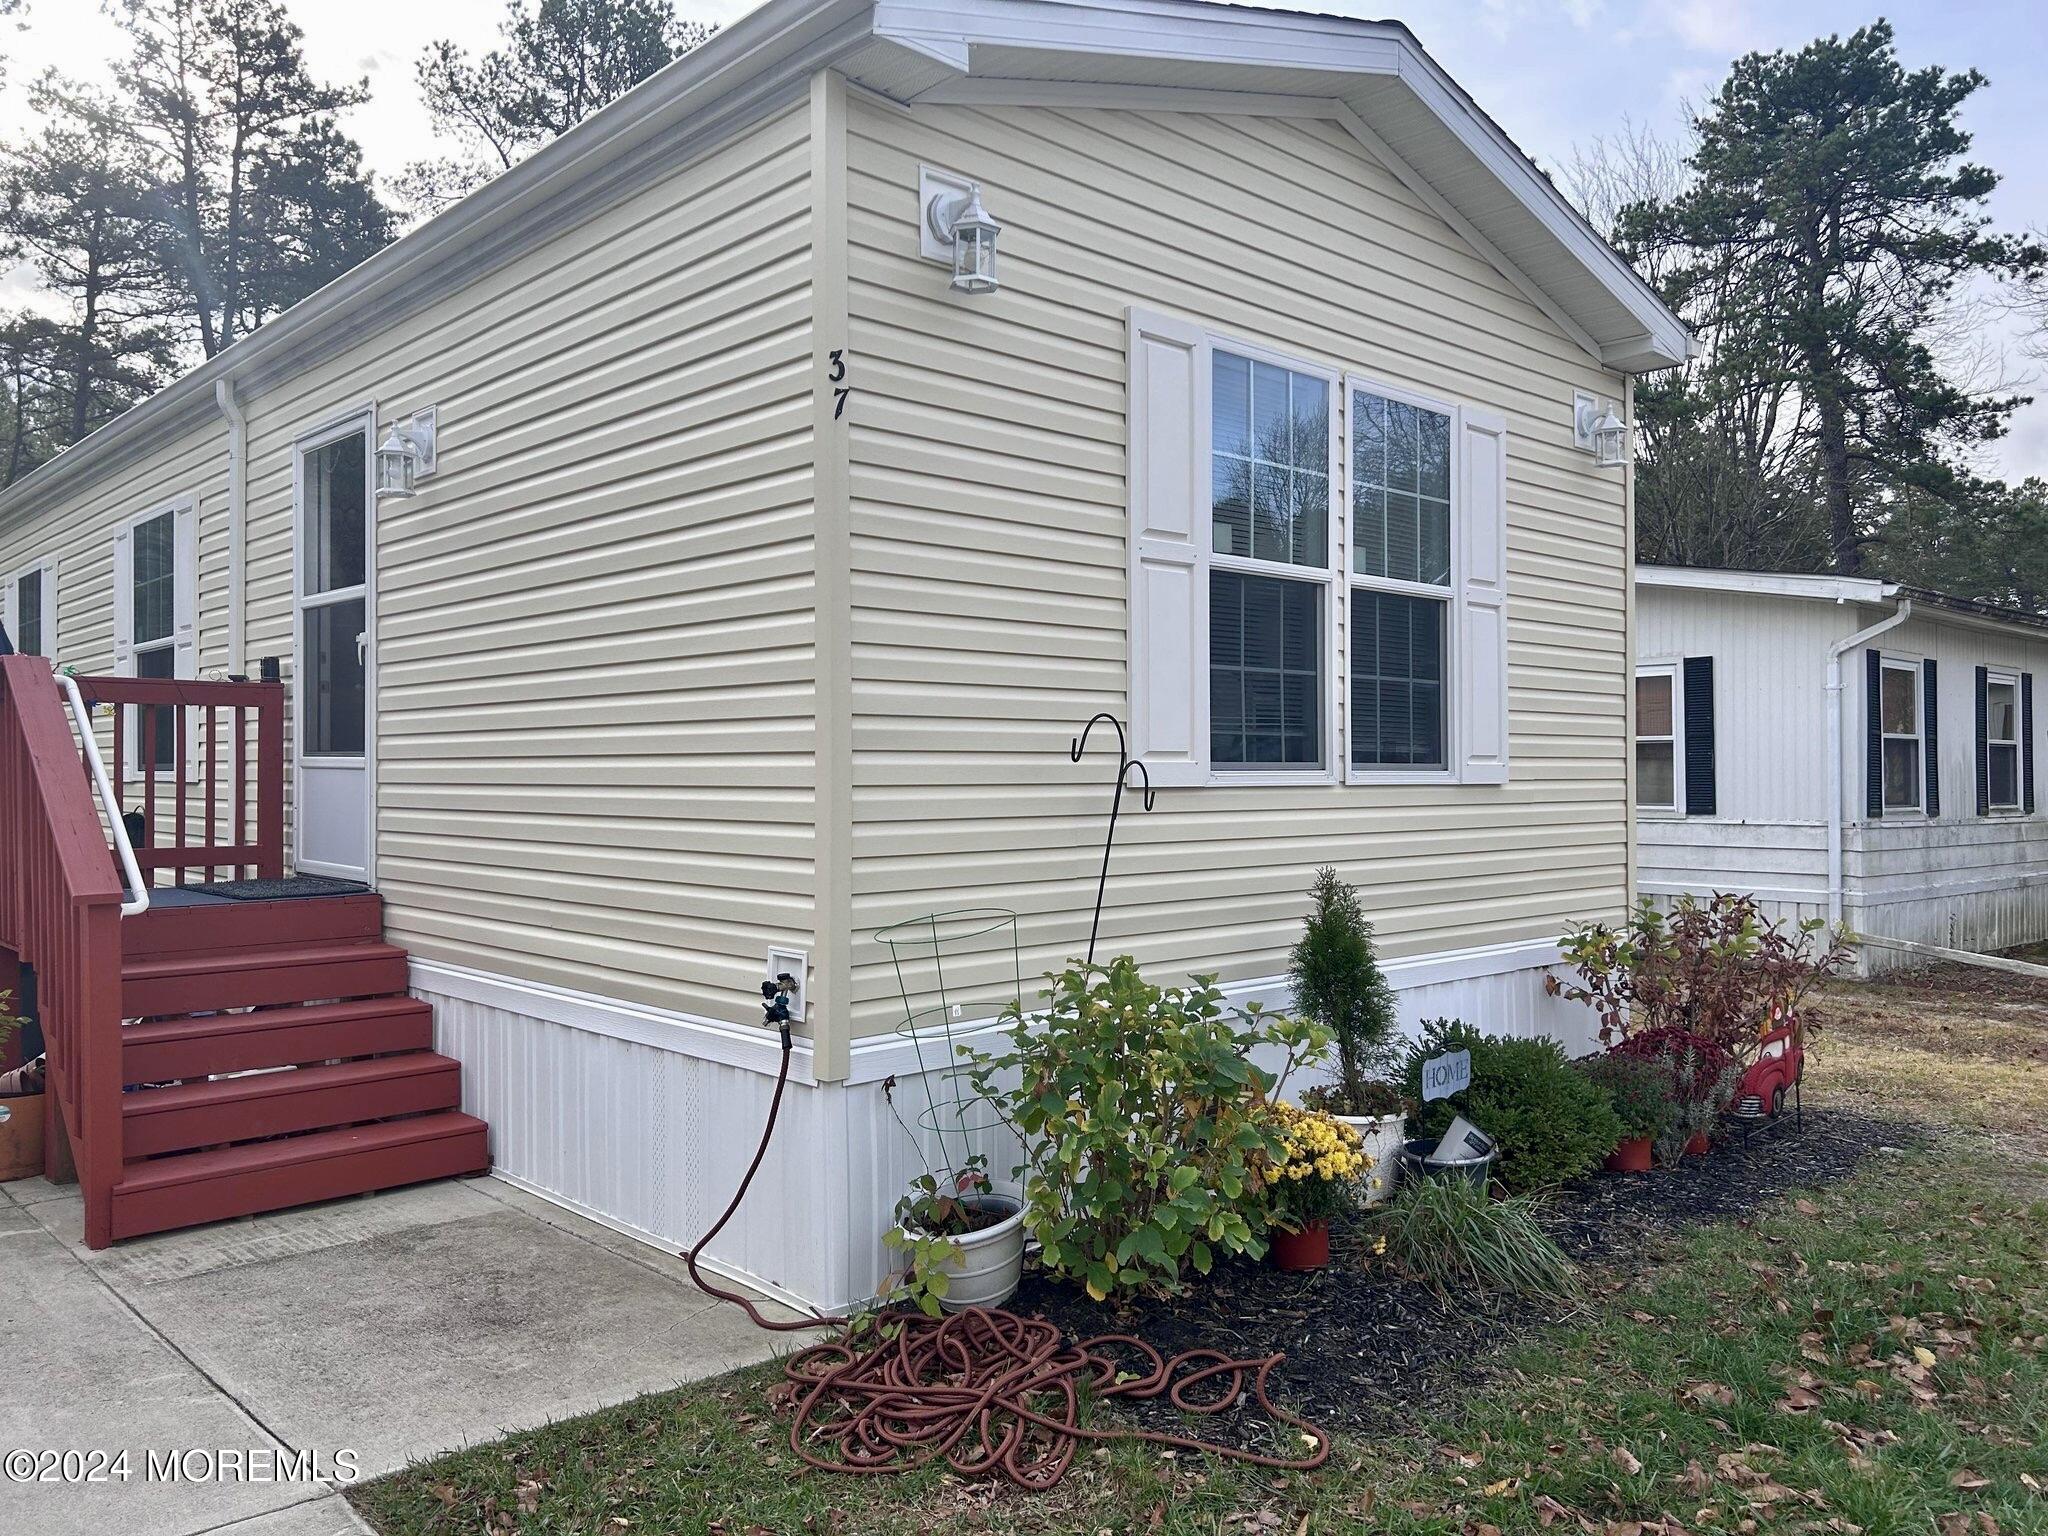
column 775, row 996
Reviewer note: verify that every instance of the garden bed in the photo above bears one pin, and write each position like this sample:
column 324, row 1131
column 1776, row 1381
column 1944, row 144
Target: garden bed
column 1363, row 1344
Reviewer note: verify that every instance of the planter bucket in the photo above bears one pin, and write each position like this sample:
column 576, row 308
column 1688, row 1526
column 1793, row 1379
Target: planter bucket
column 991, row 1261
column 1416, row 1159
column 21, row 1136
column 1382, row 1137
column 1307, row 1249
column 1700, row 1145
column 1632, row 1156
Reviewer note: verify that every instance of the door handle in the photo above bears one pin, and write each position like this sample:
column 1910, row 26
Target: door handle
column 360, row 644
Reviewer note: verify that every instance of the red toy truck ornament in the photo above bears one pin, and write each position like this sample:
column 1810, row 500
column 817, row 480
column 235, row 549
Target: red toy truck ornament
column 1774, row 1075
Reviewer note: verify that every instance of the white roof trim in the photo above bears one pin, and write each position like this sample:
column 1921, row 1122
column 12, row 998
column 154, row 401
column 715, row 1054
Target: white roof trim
column 1832, row 589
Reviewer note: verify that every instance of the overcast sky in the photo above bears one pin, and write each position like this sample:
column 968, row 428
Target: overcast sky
column 1552, row 72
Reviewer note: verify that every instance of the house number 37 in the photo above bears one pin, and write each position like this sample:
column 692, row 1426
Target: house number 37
column 835, row 375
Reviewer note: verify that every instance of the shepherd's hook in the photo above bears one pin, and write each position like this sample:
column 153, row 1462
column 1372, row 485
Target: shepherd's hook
column 1124, row 764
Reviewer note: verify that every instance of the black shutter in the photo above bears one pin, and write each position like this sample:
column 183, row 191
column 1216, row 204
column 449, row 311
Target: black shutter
column 1983, row 741
column 1930, row 736
column 1700, row 799
column 2027, row 740
column 1873, row 734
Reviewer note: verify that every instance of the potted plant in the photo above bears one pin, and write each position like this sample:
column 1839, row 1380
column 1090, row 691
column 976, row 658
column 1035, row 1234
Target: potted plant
column 1338, row 985
column 1315, row 1176
column 1702, row 1076
column 962, row 1242
column 21, row 1106
column 1641, row 1091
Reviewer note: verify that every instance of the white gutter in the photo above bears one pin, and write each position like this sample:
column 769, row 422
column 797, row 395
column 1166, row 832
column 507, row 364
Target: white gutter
column 238, row 513
column 1835, row 776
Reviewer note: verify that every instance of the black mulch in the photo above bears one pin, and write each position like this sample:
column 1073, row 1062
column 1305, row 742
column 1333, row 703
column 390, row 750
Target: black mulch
column 1362, row 1344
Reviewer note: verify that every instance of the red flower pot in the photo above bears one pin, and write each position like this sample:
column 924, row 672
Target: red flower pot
column 1632, row 1156
column 1307, row 1249
column 1700, row 1145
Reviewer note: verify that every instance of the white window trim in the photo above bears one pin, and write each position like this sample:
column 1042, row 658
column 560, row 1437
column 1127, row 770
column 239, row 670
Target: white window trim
column 45, row 570
column 1993, row 676
column 183, row 640
column 1673, row 669
column 1452, row 597
column 1891, row 662
column 1326, row 576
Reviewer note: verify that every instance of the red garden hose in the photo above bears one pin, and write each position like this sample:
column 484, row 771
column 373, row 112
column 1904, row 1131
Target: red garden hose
column 984, row 1389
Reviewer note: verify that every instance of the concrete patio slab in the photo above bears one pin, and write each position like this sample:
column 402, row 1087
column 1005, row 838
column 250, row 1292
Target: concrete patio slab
column 390, row 1327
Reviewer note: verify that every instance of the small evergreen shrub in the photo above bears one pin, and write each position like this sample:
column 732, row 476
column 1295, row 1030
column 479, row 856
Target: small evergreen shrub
column 1338, row 985
column 1450, row 1236
column 1552, row 1123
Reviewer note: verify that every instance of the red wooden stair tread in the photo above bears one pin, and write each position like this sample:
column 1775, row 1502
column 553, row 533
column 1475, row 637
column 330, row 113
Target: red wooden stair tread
column 288, row 1151
column 261, row 1085
column 209, row 962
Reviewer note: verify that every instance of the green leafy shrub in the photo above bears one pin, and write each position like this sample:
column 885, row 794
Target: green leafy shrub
column 1552, row 1123
column 1702, row 1076
column 1140, row 1110
column 1448, row 1234
column 1338, row 985
column 1640, row 1089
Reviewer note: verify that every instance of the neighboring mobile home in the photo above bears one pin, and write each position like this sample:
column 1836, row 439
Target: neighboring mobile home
column 1846, row 749
column 760, row 572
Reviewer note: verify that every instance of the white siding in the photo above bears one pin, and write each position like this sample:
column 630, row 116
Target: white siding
column 1960, row 880
column 988, row 499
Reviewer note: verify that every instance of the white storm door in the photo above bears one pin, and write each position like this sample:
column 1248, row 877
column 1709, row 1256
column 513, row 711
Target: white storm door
column 335, row 618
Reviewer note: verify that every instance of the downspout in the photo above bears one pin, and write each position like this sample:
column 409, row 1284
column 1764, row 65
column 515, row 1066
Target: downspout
column 238, row 507
column 1835, row 780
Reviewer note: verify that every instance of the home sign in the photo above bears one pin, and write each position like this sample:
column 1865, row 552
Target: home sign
column 1445, row 1075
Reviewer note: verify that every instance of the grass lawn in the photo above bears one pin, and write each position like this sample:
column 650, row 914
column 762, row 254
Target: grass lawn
column 1872, row 1357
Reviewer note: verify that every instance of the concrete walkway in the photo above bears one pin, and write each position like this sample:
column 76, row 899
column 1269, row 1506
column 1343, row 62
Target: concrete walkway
column 247, row 1369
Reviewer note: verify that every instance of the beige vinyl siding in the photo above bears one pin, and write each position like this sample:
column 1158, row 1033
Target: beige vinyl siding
column 79, row 531
column 594, row 692
column 988, row 504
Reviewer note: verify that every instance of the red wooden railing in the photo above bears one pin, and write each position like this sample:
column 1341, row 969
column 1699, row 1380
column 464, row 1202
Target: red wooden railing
column 216, row 802
column 60, row 911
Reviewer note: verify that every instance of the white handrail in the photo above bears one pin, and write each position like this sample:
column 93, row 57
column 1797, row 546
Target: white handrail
column 89, row 743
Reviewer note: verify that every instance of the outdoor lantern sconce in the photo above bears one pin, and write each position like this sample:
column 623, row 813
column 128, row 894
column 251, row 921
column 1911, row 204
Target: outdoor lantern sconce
column 1598, row 428
column 406, row 454
column 957, row 230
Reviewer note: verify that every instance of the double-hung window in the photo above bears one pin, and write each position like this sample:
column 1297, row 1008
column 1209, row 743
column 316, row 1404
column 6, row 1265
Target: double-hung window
column 1269, row 568
column 2002, row 741
column 155, row 633
column 1659, row 752
column 28, row 607
column 1317, row 570
column 1900, row 726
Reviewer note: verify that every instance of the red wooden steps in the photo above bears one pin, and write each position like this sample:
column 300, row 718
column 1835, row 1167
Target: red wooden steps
column 291, row 1099
column 165, row 1050
column 274, row 1059
column 196, row 1187
column 172, row 984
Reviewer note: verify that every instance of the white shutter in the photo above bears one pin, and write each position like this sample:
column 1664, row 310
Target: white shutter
column 1168, row 477
column 50, row 608
column 124, row 603
column 1483, row 598
column 185, row 589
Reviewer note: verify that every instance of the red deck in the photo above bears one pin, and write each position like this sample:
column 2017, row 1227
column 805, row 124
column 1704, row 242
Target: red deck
column 210, row 1057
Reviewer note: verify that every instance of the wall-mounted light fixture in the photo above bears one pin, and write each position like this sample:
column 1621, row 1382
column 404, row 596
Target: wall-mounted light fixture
column 406, row 456
column 955, row 229
column 1597, row 428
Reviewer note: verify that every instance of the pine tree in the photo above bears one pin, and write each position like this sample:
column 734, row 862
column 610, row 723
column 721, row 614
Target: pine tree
column 243, row 145
column 1829, row 226
column 558, row 63
column 1338, row 983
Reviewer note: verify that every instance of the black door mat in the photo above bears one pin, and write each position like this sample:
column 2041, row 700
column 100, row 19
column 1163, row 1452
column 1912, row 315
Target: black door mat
column 288, row 889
